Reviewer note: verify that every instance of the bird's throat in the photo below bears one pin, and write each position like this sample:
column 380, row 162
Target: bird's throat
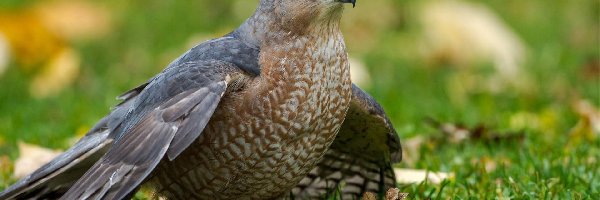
column 314, row 59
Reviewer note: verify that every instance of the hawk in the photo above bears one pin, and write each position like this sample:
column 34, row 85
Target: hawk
column 267, row 111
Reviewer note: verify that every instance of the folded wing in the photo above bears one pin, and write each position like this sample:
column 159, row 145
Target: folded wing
column 55, row 178
column 360, row 159
column 170, row 114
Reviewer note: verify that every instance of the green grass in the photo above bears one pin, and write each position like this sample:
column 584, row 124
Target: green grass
column 546, row 161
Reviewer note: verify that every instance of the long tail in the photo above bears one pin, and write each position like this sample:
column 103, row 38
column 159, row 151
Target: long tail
column 54, row 179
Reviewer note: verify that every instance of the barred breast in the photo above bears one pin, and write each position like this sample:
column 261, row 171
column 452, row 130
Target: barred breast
column 269, row 131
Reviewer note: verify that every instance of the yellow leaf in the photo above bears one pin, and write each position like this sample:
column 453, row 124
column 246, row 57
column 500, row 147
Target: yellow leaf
column 588, row 127
column 31, row 43
column 5, row 165
column 60, row 72
column 4, row 54
column 417, row 176
column 74, row 19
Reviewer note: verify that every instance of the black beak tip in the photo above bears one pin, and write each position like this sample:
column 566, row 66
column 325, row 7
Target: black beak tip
column 353, row 2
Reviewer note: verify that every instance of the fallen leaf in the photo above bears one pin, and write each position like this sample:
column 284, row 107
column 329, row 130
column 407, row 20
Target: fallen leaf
column 369, row 196
column 391, row 194
column 38, row 40
column 74, row 19
column 588, row 112
column 4, row 54
column 60, row 72
column 411, row 150
column 417, row 176
column 457, row 133
column 395, row 194
column 359, row 73
column 588, row 126
column 31, row 158
column 454, row 133
column 31, row 42
column 464, row 33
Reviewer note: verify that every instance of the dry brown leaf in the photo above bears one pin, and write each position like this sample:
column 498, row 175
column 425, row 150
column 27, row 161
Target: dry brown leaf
column 395, row 194
column 588, row 112
column 391, row 194
column 411, row 150
column 452, row 132
column 31, row 158
column 369, row 196
column 458, row 133
column 588, row 127
column 417, row 176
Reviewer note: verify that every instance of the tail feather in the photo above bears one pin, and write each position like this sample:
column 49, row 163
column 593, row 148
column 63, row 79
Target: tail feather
column 55, row 178
column 344, row 176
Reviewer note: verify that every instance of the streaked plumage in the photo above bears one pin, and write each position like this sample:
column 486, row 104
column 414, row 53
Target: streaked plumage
column 267, row 111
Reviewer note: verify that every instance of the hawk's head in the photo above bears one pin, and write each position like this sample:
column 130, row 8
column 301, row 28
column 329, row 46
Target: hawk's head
column 302, row 15
column 281, row 19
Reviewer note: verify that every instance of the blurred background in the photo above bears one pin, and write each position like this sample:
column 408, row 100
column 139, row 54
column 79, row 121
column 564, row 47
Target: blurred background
column 499, row 96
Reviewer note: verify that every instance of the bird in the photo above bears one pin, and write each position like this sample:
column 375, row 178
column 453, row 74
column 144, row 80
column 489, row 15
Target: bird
column 268, row 111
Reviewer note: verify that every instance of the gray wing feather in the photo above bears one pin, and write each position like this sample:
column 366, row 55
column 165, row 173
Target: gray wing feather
column 196, row 121
column 56, row 177
column 171, row 113
column 360, row 159
column 121, row 171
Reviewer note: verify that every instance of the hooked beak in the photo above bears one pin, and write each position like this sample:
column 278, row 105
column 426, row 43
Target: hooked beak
column 349, row 1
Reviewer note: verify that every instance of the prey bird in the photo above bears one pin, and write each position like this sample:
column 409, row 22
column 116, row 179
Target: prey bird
column 267, row 111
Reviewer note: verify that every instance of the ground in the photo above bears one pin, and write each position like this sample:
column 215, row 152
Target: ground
column 530, row 137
